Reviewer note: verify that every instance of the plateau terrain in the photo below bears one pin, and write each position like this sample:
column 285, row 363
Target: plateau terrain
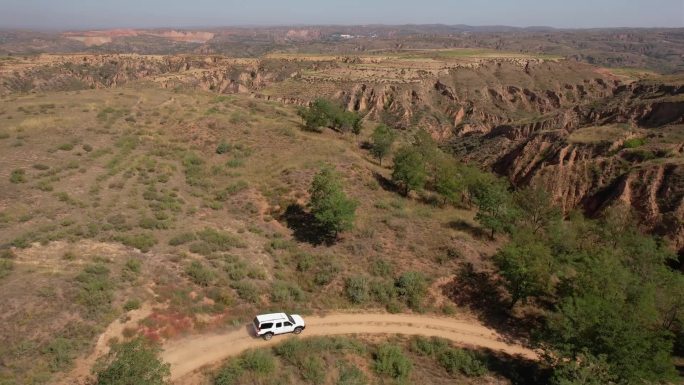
column 443, row 204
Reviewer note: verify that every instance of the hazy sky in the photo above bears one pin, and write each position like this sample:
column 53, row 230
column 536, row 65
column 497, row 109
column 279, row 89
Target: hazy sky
column 74, row 14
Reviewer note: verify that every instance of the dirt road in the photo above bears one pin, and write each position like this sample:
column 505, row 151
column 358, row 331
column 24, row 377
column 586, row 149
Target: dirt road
column 193, row 352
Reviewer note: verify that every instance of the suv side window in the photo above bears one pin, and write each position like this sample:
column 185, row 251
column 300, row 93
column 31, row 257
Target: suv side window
column 287, row 324
column 267, row 325
column 279, row 324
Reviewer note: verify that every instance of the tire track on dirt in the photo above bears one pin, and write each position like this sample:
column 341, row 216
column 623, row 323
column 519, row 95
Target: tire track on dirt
column 193, row 352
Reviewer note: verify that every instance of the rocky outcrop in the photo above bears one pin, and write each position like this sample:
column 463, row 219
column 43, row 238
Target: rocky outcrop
column 567, row 155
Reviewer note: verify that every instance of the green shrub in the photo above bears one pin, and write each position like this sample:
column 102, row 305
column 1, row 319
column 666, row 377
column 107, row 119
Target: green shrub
column 357, row 289
column 294, row 350
column 325, row 271
column 431, row 346
column 182, row 239
column 235, row 162
column 258, row 361
column 202, row 248
column 391, row 361
column 143, row 242
column 6, row 267
column 119, row 222
column 412, row 286
column 153, row 224
column 291, row 349
column 87, row 148
column 232, row 189
column 44, row 185
column 282, row 244
column 236, row 271
column 229, row 374
column 41, row 167
column 133, row 265
column 394, row 307
column 284, row 292
column 383, row 291
column 66, row 147
column 305, row 262
column 350, row 375
column 456, row 360
column 132, row 304
column 95, row 290
column 22, row 242
column 381, row 268
column 220, row 241
column 313, row 370
column 223, row 148
column 200, row 274
column 634, row 142
column 195, row 174
column 61, row 353
column 246, row 291
column 221, row 296
column 18, row 176
column 133, row 362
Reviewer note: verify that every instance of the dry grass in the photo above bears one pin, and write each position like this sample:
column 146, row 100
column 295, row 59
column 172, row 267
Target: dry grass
column 598, row 134
column 149, row 173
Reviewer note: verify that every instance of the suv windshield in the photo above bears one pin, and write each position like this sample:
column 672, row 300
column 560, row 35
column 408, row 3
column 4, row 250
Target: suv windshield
column 290, row 318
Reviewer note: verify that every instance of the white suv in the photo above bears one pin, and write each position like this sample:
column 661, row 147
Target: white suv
column 268, row 325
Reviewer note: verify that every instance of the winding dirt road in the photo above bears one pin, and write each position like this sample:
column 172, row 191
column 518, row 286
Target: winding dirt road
column 191, row 353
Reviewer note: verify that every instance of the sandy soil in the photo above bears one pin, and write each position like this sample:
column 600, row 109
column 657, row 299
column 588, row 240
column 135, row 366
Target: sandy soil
column 191, row 353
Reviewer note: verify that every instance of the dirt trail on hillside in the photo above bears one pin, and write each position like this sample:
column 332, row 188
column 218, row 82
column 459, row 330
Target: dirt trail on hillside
column 82, row 367
column 193, row 352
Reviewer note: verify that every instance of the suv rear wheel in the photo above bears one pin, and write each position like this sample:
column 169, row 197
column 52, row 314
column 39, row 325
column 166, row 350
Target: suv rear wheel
column 268, row 336
column 297, row 330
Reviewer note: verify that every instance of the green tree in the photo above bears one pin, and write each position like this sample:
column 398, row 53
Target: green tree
column 409, row 169
column 448, row 182
column 611, row 304
column 429, row 150
column 357, row 124
column 496, row 210
column 333, row 210
column 381, row 142
column 526, row 266
column 315, row 116
column 537, row 211
column 323, row 113
column 135, row 362
column 585, row 370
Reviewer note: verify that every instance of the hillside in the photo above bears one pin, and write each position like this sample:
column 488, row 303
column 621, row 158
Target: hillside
column 521, row 115
column 169, row 197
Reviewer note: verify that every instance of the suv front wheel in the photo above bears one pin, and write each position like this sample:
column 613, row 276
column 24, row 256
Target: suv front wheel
column 297, row 330
column 268, row 336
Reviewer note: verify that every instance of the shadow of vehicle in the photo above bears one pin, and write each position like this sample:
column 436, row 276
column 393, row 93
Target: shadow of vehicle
column 249, row 328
